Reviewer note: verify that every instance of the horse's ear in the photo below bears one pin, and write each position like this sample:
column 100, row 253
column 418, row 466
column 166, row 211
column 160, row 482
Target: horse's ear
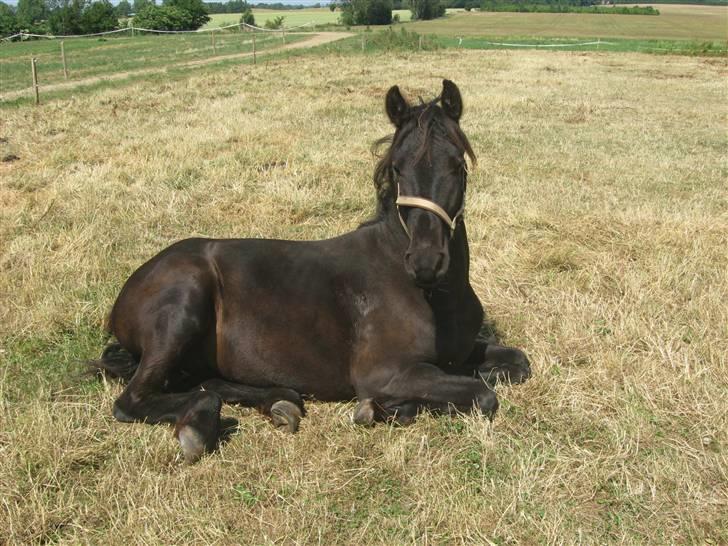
column 452, row 102
column 396, row 106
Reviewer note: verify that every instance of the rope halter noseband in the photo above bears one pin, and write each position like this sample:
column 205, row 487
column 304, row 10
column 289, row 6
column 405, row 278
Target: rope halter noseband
column 431, row 206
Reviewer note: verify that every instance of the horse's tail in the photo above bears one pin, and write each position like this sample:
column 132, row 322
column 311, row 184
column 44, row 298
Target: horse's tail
column 115, row 362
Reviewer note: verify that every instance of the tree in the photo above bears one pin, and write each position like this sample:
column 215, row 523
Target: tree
column 366, row 12
column 163, row 18
column 379, row 12
column 123, row 9
column 30, row 13
column 139, row 5
column 247, row 17
column 65, row 17
column 8, row 21
column 426, row 9
column 99, row 16
column 196, row 9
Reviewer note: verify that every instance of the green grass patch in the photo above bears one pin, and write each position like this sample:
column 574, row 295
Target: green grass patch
column 672, row 47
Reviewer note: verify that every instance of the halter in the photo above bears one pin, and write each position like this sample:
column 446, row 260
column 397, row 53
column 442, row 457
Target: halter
column 431, row 206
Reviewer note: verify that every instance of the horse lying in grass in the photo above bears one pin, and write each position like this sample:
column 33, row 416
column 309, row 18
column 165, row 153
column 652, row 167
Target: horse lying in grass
column 384, row 314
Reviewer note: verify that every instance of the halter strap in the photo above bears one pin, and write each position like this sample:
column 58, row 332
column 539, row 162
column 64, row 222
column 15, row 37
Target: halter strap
column 426, row 204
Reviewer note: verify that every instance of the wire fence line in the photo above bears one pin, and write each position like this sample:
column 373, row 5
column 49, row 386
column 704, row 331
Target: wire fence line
column 230, row 45
column 579, row 44
column 132, row 29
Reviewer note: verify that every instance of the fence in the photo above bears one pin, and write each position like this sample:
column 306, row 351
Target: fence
column 247, row 47
column 132, row 30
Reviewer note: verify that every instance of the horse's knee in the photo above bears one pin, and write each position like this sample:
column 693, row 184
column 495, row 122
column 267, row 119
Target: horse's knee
column 121, row 412
column 127, row 407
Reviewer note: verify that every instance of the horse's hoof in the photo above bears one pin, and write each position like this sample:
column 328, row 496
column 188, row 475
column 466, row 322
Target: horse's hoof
column 364, row 412
column 505, row 365
column 192, row 444
column 488, row 404
column 286, row 415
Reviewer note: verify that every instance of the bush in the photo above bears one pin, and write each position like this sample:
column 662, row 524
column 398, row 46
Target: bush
column 66, row 18
column 8, row 21
column 366, row 12
column 164, row 18
column 276, row 23
column 196, row 9
column 99, row 16
column 391, row 40
column 247, row 17
column 426, row 9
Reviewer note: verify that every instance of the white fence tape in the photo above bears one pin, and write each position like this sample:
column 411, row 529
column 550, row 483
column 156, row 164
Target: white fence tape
column 152, row 31
column 546, row 45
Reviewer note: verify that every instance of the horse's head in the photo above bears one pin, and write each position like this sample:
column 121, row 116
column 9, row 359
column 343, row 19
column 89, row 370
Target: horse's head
column 427, row 173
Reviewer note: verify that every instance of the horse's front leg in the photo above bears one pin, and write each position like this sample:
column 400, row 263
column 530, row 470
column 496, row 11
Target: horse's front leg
column 418, row 387
column 496, row 363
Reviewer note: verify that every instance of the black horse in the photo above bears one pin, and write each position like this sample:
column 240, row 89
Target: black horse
column 384, row 314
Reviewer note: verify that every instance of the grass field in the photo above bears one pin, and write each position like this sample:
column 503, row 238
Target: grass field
column 674, row 23
column 702, row 28
column 598, row 226
column 87, row 57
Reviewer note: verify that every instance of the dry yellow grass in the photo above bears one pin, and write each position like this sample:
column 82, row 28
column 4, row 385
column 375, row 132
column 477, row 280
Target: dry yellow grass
column 599, row 225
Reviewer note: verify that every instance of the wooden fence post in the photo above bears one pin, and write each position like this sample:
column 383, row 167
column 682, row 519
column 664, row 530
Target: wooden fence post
column 34, row 70
column 214, row 49
column 420, row 43
column 255, row 60
column 363, row 42
column 63, row 58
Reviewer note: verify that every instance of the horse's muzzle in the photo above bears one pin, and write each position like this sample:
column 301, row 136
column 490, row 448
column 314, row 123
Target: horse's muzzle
column 426, row 268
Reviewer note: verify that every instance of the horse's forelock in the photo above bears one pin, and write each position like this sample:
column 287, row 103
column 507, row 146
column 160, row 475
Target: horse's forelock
column 430, row 121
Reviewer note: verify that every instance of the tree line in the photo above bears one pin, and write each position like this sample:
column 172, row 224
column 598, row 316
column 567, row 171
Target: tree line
column 67, row 17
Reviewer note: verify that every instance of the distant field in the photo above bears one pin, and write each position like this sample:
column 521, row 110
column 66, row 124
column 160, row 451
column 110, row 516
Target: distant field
column 675, row 22
column 293, row 17
column 318, row 16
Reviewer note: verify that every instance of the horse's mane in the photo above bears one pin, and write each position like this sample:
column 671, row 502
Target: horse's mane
column 429, row 120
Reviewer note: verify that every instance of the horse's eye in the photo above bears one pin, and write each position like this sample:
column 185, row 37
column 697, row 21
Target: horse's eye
column 396, row 170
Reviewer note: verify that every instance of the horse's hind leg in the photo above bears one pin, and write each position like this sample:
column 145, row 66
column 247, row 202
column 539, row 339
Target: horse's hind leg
column 283, row 406
column 195, row 415
column 171, row 337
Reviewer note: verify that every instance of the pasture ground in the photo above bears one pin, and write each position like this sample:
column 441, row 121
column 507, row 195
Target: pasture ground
column 598, row 226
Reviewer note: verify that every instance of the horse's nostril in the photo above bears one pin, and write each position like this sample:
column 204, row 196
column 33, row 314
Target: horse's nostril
column 425, row 276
